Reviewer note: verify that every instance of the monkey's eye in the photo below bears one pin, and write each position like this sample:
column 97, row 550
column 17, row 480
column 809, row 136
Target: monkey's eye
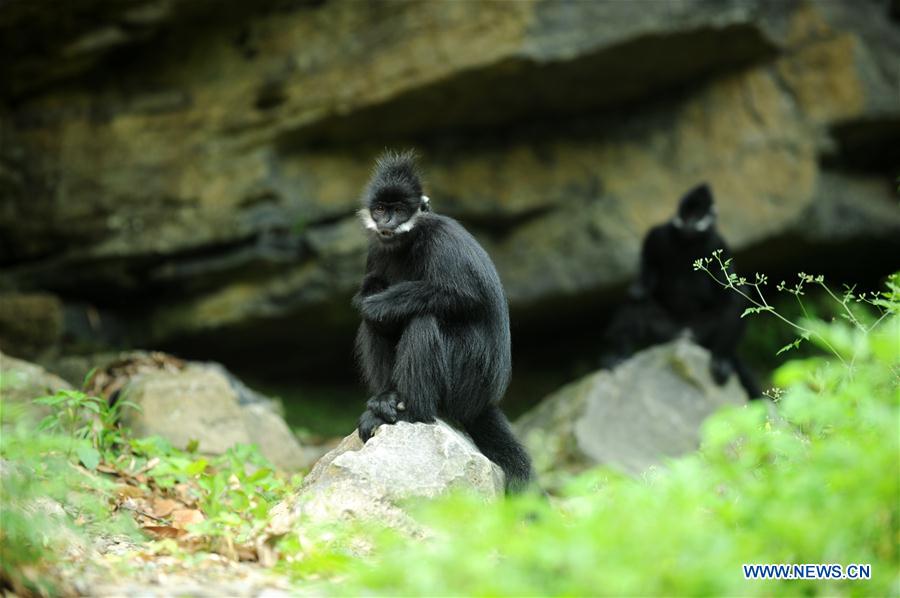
column 378, row 211
column 401, row 212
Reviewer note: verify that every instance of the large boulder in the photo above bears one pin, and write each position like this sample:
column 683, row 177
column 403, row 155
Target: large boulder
column 201, row 402
column 649, row 408
column 178, row 400
column 402, row 461
column 21, row 382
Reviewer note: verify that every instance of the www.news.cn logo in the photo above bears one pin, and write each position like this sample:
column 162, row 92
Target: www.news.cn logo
column 807, row 571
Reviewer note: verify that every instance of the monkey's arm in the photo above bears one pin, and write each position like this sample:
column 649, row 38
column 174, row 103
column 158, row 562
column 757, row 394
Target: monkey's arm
column 405, row 300
column 371, row 284
column 648, row 277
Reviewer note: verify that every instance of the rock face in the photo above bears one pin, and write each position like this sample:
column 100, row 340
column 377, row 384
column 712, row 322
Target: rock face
column 31, row 324
column 648, row 408
column 191, row 171
column 401, row 461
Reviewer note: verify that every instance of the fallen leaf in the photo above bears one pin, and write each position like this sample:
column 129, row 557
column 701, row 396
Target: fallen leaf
column 163, row 507
column 126, row 491
column 148, row 466
column 182, row 518
column 163, row 531
column 185, row 493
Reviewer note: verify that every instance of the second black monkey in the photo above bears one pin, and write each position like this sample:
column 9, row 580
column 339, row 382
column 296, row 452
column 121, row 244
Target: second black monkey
column 669, row 296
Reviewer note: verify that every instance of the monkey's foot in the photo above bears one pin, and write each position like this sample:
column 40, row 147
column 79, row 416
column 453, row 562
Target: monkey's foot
column 368, row 423
column 721, row 370
column 385, row 408
column 388, row 406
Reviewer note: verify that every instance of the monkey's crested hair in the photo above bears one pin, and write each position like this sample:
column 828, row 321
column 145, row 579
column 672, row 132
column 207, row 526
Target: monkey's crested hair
column 396, row 178
column 697, row 201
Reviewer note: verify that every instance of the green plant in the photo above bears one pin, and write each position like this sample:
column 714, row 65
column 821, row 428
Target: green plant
column 808, row 327
column 234, row 491
column 78, row 415
column 239, row 488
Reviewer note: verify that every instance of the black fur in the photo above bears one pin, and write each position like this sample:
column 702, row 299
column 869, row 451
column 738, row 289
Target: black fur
column 434, row 340
column 670, row 296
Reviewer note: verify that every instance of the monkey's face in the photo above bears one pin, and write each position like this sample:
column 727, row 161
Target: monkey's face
column 696, row 212
column 392, row 220
column 393, row 198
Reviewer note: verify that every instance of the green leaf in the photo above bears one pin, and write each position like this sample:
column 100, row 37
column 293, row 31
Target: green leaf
column 89, row 457
column 192, row 446
column 196, row 467
column 122, row 403
column 229, row 518
column 789, row 346
column 259, row 474
column 49, row 400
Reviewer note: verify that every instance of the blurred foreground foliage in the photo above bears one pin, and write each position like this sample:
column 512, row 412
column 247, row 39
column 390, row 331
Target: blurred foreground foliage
column 815, row 479
column 48, row 506
column 811, row 478
column 78, row 477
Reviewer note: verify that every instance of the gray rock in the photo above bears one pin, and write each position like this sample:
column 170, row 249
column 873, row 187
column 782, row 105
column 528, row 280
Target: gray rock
column 193, row 404
column 184, row 401
column 849, row 209
column 268, row 430
column 647, row 409
column 400, row 462
column 21, row 382
column 200, row 403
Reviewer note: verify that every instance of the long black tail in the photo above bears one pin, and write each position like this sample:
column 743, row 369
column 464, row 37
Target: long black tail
column 747, row 379
column 495, row 439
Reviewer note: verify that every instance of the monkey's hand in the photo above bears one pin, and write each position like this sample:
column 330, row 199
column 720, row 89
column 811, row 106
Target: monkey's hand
column 720, row 369
column 370, row 308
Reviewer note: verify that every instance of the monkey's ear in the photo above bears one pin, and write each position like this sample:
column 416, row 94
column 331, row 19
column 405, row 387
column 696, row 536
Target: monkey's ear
column 425, row 205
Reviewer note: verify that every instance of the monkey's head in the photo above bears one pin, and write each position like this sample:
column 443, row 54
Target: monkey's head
column 696, row 213
column 393, row 200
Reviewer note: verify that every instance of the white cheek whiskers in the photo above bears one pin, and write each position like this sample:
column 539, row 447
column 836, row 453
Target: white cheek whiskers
column 409, row 224
column 705, row 222
column 366, row 217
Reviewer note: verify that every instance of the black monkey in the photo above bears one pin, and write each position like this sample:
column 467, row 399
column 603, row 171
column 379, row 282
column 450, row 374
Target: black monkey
column 670, row 296
column 434, row 339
